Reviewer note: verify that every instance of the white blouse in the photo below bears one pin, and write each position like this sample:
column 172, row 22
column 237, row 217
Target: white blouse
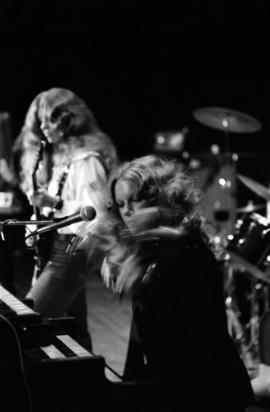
column 84, row 186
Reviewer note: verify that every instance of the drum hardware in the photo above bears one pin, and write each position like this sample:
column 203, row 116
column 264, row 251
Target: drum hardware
column 234, row 326
column 249, row 208
column 248, row 249
column 227, row 120
column 254, row 314
column 252, row 269
column 258, row 307
column 256, row 187
column 249, row 246
column 244, row 331
column 171, row 141
column 238, row 332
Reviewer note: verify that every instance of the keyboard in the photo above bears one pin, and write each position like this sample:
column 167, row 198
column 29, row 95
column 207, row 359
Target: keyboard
column 61, row 374
column 12, row 307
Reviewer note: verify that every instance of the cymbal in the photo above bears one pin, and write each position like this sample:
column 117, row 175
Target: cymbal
column 227, row 120
column 249, row 208
column 256, row 187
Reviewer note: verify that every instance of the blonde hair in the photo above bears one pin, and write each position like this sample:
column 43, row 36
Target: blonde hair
column 80, row 131
column 164, row 184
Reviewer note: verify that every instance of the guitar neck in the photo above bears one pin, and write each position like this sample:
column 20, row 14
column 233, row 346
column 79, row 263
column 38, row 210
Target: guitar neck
column 34, row 175
column 36, row 209
column 37, row 212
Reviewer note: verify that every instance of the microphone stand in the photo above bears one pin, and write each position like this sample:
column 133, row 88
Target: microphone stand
column 14, row 222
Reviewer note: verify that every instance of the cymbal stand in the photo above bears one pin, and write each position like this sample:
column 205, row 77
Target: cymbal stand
column 258, row 308
column 253, row 325
column 236, row 329
column 226, row 182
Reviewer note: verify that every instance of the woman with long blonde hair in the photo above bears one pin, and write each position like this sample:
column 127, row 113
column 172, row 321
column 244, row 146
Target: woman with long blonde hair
column 157, row 250
column 77, row 160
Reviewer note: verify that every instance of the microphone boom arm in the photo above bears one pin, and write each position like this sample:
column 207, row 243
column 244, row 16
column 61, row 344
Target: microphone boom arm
column 86, row 213
column 15, row 222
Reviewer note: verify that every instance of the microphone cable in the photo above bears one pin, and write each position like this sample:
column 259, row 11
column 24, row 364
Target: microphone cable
column 18, row 348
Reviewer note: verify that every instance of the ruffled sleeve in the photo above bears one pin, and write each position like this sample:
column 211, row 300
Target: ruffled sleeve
column 84, row 186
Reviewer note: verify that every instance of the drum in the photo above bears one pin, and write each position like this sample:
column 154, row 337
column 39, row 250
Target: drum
column 249, row 246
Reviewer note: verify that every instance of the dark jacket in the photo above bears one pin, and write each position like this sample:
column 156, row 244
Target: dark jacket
column 179, row 332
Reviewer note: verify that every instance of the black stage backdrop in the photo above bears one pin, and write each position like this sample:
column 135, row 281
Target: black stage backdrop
column 142, row 69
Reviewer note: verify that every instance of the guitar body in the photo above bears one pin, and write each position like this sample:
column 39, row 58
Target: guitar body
column 43, row 248
column 43, row 243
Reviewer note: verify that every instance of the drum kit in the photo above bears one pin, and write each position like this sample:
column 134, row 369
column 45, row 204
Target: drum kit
column 246, row 251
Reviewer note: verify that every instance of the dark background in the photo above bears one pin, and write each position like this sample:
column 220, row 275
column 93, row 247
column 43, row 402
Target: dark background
column 143, row 69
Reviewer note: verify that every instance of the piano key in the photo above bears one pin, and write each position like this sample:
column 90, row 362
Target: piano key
column 52, row 352
column 74, row 346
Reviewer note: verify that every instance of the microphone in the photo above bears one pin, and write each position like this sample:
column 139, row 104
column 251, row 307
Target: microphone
column 86, row 213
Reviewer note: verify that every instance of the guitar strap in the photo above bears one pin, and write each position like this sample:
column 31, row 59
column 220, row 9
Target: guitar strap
column 62, row 182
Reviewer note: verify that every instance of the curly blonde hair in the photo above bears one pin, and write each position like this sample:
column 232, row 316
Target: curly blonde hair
column 164, row 183
column 167, row 186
